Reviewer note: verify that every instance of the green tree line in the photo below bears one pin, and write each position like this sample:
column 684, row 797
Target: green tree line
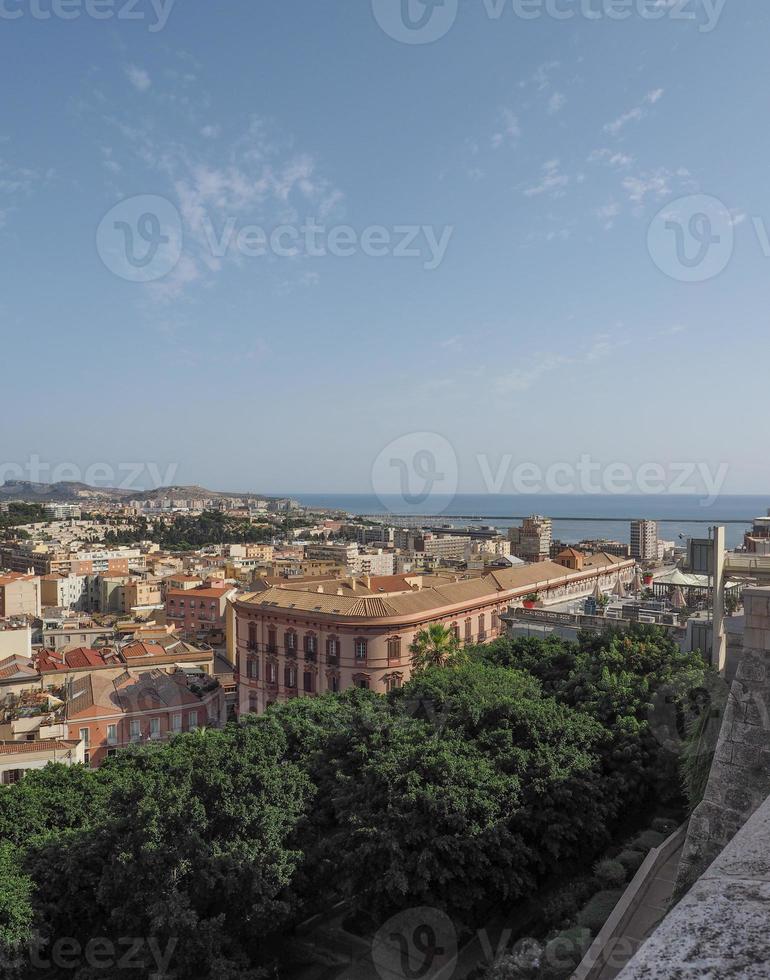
column 481, row 778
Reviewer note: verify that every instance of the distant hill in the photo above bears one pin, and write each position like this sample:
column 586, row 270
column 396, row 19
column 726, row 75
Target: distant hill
column 70, row 492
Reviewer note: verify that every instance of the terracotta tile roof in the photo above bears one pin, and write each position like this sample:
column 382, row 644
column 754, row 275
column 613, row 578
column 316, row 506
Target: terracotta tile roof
column 139, row 649
column 83, row 657
column 489, row 587
column 42, row 745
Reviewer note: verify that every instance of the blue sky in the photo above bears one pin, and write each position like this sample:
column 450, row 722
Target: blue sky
column 541, row 149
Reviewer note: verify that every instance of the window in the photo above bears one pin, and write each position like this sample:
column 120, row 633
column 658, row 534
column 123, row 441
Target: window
column 112, row 734
column 456, row 631
column 394, row 648
column 192, row 720
column 12, row 776
column 332, row 649
column 393, row 682
column 334, row 683
column 135, row 728
column 310, row 645
column 252, row 668
column 272, row 673
column 111, row 752
column 308, row 684
column 290, row 676
column 363, row 683
column 84, row 736
column 272, row 640
column 252, row 636
column 482, row 627
column 495, row 620
column 360, row 648
column 154, row 727
column 290, row 642
column 468, row 631
column 176, row 722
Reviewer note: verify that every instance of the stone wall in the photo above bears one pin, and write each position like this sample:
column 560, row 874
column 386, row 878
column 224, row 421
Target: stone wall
column 719, row 929
column 739, row 781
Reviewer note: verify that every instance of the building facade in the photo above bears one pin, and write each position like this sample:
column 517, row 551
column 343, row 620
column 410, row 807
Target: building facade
column 644, row 540
column 532, row 541
column 294, row 642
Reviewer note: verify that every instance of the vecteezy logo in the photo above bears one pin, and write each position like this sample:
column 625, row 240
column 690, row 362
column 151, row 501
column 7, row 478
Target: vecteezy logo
column 414, row 470
column 416, row 944
column 692, row 239
column 140, row 239
column 415, row 21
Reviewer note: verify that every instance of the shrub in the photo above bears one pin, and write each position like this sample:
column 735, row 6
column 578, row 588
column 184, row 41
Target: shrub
column 562, row 905
column 664, row 826
column 523, row 963
column 563, row 953
column 610, row 874
column 647, row 840
column 593, row 915
column 630, row 859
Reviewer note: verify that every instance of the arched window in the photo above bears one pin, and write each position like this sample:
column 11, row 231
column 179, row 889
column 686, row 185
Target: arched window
column 468, row 630
column 394, row 649
column 360, row 647
column 456, row 631
column 393, row 682
column 362, row 681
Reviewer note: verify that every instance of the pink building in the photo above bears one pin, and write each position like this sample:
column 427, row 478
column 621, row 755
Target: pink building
column 304, row 639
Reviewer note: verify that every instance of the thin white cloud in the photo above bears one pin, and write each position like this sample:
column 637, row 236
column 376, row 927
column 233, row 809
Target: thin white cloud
column 655, row 183
column 138, row 77
column 613, row 158
column 552, row 181
column 523, row 378
column 556, row 103
column 508, row 130
column 615, row 127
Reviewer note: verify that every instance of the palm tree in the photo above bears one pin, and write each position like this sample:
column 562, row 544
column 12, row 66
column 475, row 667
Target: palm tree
column 433, row 647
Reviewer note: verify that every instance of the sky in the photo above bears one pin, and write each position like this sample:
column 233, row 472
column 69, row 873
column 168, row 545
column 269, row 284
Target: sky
column 267, row 246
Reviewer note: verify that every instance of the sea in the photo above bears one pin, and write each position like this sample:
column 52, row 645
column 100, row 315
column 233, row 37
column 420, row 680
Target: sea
column 576, row 517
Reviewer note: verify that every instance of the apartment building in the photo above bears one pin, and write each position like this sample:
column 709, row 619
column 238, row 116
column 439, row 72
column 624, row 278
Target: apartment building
column 109, row 710
column 19, row 595
column 644, row 540
column 443, row 547
column 377, row 562
column 532, row 540
column 340, row 554
column 65, row 592
column 202, row 609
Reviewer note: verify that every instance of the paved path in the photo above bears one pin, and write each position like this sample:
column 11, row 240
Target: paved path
column 654, row 906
